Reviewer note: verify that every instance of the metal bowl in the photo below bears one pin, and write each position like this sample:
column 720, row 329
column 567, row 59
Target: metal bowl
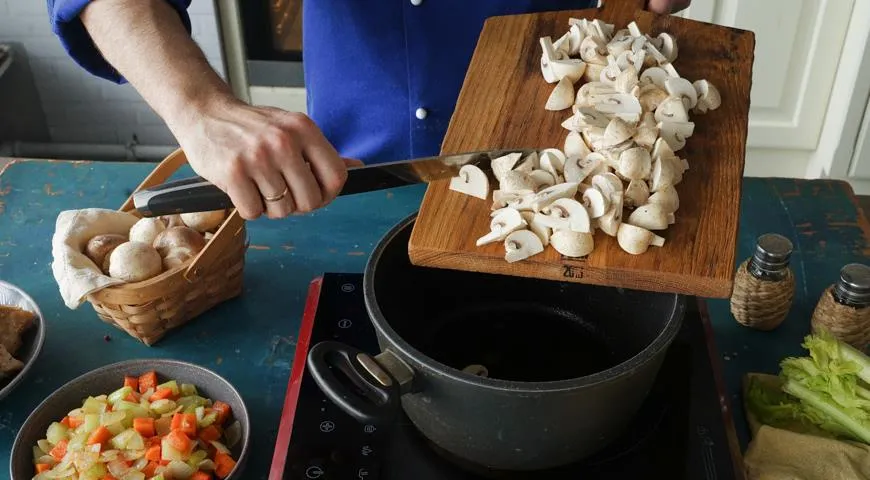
column 31, row 341
column 105, row 380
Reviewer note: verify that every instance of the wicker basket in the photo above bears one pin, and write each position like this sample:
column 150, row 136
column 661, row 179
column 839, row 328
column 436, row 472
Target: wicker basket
column 147, row 310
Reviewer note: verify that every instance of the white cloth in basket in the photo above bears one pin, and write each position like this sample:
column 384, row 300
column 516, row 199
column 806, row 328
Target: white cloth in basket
column 75, row 273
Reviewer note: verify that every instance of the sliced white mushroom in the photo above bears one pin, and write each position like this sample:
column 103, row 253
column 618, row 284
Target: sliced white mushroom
column 667, row 197
column 593, row 50
column 590, row 117
column 561, row 97
column 650, row 96
column 515, row 200
column 587, row 94
column 543, row 232
column 636, row 240
column 566, row 214
column 610, row 221
column 669, row 46
column 596, row 203
column 561, row 46
column 636, row 193
column 594, row 136
column 506, row 221
column 553, row 161
column 549, row 54
column 671, row 70
column 634, row 164
column 654, row 75
column 661, row 149
column 593, row 72
column 662, row 175
column 607, row 183
column 656, row 54
column 550, row 194
column 522, row 244
column 647, row 132
column 504, row 164
column 626, row 80
column 542, row 179
column 620, row 44
column 610, row 72
column 572, row 244
column 676, row 133
column 672, row 110
column 577, row 169
column 471, row 180
column 617, row 131
column 651, row 217
column 619, row 103
column 709, row 97
column 528, row 163
column 568, row 69
column 682, row 88
column 575, row 39
column 634, row 30
column 517, row 182
column 575, row 146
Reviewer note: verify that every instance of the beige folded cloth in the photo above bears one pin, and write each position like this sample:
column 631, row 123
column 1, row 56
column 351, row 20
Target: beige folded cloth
column 792, row 453
column 76, row 275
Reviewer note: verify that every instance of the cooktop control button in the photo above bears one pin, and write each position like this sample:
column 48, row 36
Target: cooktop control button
column 314, row 472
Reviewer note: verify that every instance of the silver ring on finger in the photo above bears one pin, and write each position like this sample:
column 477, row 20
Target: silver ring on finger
column 279, row 197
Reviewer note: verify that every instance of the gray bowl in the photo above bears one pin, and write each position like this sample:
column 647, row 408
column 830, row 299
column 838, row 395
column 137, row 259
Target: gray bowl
column 105, row 380
column 31, row 341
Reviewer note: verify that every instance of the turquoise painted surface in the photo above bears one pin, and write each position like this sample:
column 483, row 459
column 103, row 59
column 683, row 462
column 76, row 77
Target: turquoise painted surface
column 251, row 341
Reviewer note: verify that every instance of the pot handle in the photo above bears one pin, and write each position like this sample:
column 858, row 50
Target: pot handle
column 376, row 399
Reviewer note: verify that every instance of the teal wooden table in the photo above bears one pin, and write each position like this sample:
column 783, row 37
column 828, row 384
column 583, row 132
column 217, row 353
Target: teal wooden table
column 251, row 340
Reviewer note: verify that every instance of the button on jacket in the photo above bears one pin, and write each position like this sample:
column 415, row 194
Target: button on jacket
column 382, row 76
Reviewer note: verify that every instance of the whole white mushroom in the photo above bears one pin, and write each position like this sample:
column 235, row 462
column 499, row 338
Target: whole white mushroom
column 146, row 230
column 134, row 262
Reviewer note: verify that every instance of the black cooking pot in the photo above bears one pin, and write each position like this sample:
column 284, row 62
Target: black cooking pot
column 504, row 372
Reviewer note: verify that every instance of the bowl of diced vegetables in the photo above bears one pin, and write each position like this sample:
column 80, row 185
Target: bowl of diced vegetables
column 136, row 420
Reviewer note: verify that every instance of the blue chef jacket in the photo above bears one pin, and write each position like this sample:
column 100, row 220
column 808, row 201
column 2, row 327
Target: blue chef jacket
column 373, row 68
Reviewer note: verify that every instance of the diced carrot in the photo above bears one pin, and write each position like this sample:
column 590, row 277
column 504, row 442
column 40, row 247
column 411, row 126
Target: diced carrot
column 42, row 467
column 65, row 421
column 188, row 424
column 210, row 433
column 133, row 397
column 59, row 450
column 200, row 475
column 155, row 440
column 76, row 422
column 178, row 440
column 108, row 477
column 176, row 422
column 223, row 411
column 99, row 436
column 153, row 453
column 164, row 462
column 131, row 382
column 147, row 381
column 161, row 394
column 150, row 469
column 144, row 425
column 224, row 464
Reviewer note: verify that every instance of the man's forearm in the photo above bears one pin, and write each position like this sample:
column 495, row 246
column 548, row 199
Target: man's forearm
column 147, row 43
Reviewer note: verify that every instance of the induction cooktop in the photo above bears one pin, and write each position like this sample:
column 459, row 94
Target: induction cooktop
column 681, row 432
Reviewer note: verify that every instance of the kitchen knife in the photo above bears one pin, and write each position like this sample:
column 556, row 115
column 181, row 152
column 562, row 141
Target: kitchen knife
column 195, row 194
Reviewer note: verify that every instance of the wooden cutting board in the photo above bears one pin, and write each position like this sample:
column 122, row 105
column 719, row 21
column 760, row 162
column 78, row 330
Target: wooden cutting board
column 501, row 105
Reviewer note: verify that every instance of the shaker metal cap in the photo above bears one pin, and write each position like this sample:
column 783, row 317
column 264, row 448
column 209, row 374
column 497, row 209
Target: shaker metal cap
column 854, row 284
column 772, row 252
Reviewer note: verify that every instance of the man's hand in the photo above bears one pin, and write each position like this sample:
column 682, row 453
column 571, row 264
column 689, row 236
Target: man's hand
column 667, row 6
column 267, row 160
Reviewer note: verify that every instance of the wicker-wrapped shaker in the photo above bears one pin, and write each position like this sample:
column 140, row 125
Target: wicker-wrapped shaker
column 764, row 284
column 844, row 307
column 147, row 310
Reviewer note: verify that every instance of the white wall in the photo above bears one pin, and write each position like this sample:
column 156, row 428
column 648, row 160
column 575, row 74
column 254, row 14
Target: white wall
column 80, row 107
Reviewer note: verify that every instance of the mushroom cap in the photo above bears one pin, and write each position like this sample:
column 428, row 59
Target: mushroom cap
column 682, row 88
column 655, row 75
column 607, row 183
column 507, row 219
column 650, row 97
column 676, row 133
column 515, row 181
column 626, row 80
column 574, row 211
column 708, row 95
column 593, row 50
column 590, row 117
column 593, row 72
column 672, row 109
column 553, row 161
column 636, row 193
column 588, row 93
column 636, row 240
column 100, row 247
column 542, row 178
column 669, row 46
column 667, row 197
column 204, row 221
column 618, row 103
column 471, row 180
column 617, row 131
column 562, row 96
column 542, row 231
column 146, row 229
column 522, row 244
column 572, row 244
column 504, row 164
column 610, row 221
column 135, row 262
column 550, row 194
column 635, row 163
column 578, row 168
column 662, row 175
column 596, row 203
column 650, row 216
column 575, row 146
column 575, row 39
column 661, row 149
column 174, row 237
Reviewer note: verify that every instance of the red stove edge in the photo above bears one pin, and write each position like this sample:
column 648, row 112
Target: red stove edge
column 285, row 428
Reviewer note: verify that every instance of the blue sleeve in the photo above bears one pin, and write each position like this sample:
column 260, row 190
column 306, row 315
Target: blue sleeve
column 66, row 24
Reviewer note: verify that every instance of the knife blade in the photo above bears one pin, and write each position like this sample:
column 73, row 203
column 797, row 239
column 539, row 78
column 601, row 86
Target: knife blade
column 196, row 194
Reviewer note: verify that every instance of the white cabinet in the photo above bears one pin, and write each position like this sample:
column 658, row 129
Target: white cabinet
column 798, row 55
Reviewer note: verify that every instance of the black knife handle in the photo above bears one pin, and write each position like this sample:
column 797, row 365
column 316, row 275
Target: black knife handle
column 194, row 194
